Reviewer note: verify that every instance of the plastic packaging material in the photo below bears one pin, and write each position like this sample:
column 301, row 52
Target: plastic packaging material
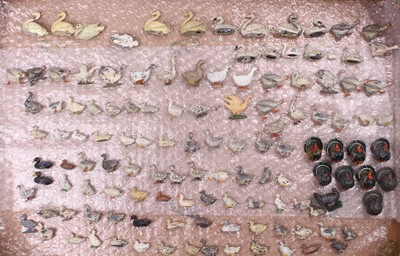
column 66, row 132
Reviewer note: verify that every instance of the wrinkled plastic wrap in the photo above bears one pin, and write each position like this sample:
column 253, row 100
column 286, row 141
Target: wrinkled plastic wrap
column 19, row 148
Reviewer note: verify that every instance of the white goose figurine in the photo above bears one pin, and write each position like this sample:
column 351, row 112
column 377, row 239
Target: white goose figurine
column 30, row 27
column 217, row 78
column 250, row 29
column 168, row 76
column 141, row 77
column 243, row 81
column 174, row 109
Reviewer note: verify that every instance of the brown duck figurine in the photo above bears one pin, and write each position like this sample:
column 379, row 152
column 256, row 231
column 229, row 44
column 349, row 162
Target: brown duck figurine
column 193, row 77
column 67, row 165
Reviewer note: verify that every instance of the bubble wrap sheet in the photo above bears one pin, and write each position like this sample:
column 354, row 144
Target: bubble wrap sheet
column 19, row 148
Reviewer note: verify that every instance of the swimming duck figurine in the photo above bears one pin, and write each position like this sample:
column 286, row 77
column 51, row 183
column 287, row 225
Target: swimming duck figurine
column 236, row 106
column 94, row 240
column 26, row 193
column 380, row 49
column 191, row 249
column 227, row 227
column 109, row 165
column 88, row 189
column 195, row 172
column 115, row 218
column 270, row 80
column 374, row 86
column 191, row 27
column 313, row 148
column 124, row 40
column 200, row 110
column 91, row 216
column 221, row 28
column 140, row 246
column 243, row 81
column 344, row 176
column 243, row 178
column 228, row 201
column 184, row 202
column 334, row 150
column 244, row 55
column 143, row 142
column 207, row 249
column 31, row 27
column 294, row 113
column 175, row 178
column 348, row 233
column 266, row 106
column 370, row 32
column 351, row 57
column 110, row 75
column 45, row 233
column 85, row 164
column 131, row 169
column 231, row 249
column 191, row 145
column 175, row 224
column 29, row 225
column 117, row 242
column 157, row 176
column 300, row 82
column 15, row 75
column 85, row 73
column 169, row 75
column 76, row 239
column 283, row 181
column 165, row 142
column 236, row 144
column 58, row 74
column 162, row 197
column 40, row 164
column 74, row 107
column 302, row 232
column 101, row 137
column 193, row 77
column 93, row 108
column 35, row 74
column 384, row 120
column 155, row 27
column 65, row 183
column 112, row 192
column 254, row 204
column 373, row 202
column 141, row 77
column 165, row 250
column 318, row 30
column 257, row 228
column 148, row 108
column 138, row 195
column 276, row 127
column 266, row 176
column 43, row 180
column 112, row 109
column 310, row 249
column 61, row 27
column 258, row 249
column 343, row 29
column 387, row 179
column 328, row 233
column 207, row 199
column 262, row 145
column 88, row 31
column 251, row 29
column 217, row 78
column 350, row 84
column 291, row 29
column 380, row 149
column 285, row 250
column 32, row 106
column 339, row 123
column 219, row 176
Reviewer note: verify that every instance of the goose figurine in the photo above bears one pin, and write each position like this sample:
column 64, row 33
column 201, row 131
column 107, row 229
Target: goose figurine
column 26, row 193
column 29, row 225
column 131, row 169
column 40, row 164
column 235, row 144
column 58, row 74
column 61, row 27
column 110, row 75
column 193, row 77
column 45, row 233
column 93, row 108
column 85, row 73
column 318, row 30
column 370, row 32
column 173, row 109
column 276, row 127
column 32, row 106
column 243, row 81
column 94, row 240
column 15, row 75
column 115, row 218
column 339, row 123
column 65, row 183
column 250, row 29
column 88, row 189
column 35, row 74
column 112, row 109
column 75, row 108
column 191, row 27
column 88, row 31
column 211, row 140
column 85, row 164
column 220, row 28
column 217, row 78
column 300, row 82
column 31, row 27
column 380, row 49
column 373, row 86
column 131, row 107
column 109, row 165
column 126, row 139
column 140, row 246
column 244, row 55
column 91, row 216
column 169, row 75
column 343, row 29
column 155, row 27
column 350, row 84
column 101, row 137
column 43, row 180
column 262, row 145
column 319, row 117
column 236, row 106
column 270, row 80
column 266, row 106
column 141, row 77
column 78, row 136
column 291, row 29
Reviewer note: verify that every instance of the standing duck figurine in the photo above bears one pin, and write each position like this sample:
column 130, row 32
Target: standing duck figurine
column 243, row 81
column 217, row 78
column 191, row 27
column 374, row 86
column 291, row 29
column 87, row 32
column 141, row 77
column 61, row 27
column 193, row 77
column 380, row 49
column 236, row 106
column 31, row 27
column 74, row 107
column 155, row 27
column 343, row 29
column 32, row 106
column 220, row 28
column 250, row 29
column 110, row 75
column 169, row 75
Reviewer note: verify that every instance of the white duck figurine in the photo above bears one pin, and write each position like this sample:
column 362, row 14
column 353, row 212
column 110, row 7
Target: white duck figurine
column 131, row 169
column 217, row 78
column 243, row 81
column 75, row 108
column 140, row 246
column 126, row 139
column 93, row 108
column 78, row 136
column 142, row 141
column 250, row 29
column 300, row 82
column 61, row 27
column 174, row 109
column 220, row 28
column 31, row 27
column 155, row 27
column 184, row 202
column 110, row 75
column 169, row 75
column 191, row 27
column 339, row 123
column 232, row 250
column 296, row 114
column 85, row 73
column 15, row 75
column 87, row 32
column 291, row 29
column 101, row 137
column 141, row 77
column 219, row 176
column 112, row 109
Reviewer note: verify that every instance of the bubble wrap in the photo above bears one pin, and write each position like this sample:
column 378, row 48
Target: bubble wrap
column 19, row 148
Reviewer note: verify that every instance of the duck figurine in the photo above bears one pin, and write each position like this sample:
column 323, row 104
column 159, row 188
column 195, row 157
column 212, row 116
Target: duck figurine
column 35, row 74
column 327, row 80
column 318, row 30
column 195, row 172
column 244, row 55
column 48, row 213
column 165, row 250
column 143, row 142
column 228, row 201
column 283, row 181
column 184, row 202
column 131, row 107
column 348, row 233
column 384, row 120
column 110, row 75
column 67, row 214
column 243, row 178
column 165, row 142
column 76, row 239
column 211, row 140
column 207, row 249
column 115, row 218
column 191, row 27
column 140, row 246
column 280, row 230
column 173, row 109
column 56, row 106
column 380, row 49
column 94, row 240
column 291, row 29
column 351, row 57
column 88, row 31
column 175, row 177
column 45, row 233
column 266, row 106
column 221, row 28
column 258, row 249
column 236, row 106
column 200, row 110
column 266, row 176
column 138, row 195
column 328, row 233
column 88, row 189
column 58, row 74
column 124, row 40
column 132, row 170
column 300, row 82
column 350, row 84
column 112, row 192
column 318, row 117
column 169, row 75
column 157, row 176
column 257, row 228
column 93, row 108
column 262, row 145
column 343, row 29
column 372, row 31
column 40, row 164
column 339, row 123
column 219, row 176
column 251, row 29
column 207, row 199
column 117, row 242
column 32, row 106
column 276, row 127
column 217, row 78
column 162, row 197
column 43, row 180
column 243, row 81
column 85, row 73
column 101, row 137
column 254, row 204
column 193, row 77
column 65, row 183
column 302, row 232
column 310, row 249
column 279, row 204
column 338, row 246
column 141, row 77
column 155, row 27
column 112, row 109
column 91, row 216
column 61, row 27
column 26, row 193
column 74, row 107
column 109, row 165
column 85, row 164
column 231, row 249
column 285, row 250
column 227, row 227
column 294, row 113
column 374, row 86
column 15, row 75
column 29, row 225
column 236, row 144
column 31, row 27
column 270, row 80
column 191, row 249
column 191, row 145
column 174, row 224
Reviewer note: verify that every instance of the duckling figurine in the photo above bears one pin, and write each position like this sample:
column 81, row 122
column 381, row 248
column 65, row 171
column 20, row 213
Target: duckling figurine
column 221, row 28
column 276, row 127
column 101, row 137
column 74, row 107
column 302, row 232
column 112, row 192
column 243, row 178
column 212, row 140
column 244, row 55
column 165, row 250
column 131, row 107
column 109, row 165
column 191, row 27
column 184, row 202
column 158, row 176
column 318, row 30
column 32, row 106
column 138, row 195
column 207, row 249
column 328, row 233
column 58, row 74
column 43, row 180
column 85, row 73
column 339, row 123
column 140, row 246
column 254, row 204
column 291, row 29
column 228, row 201
column 251, row 29
column 94, row 240
column 191, row 249
column 65, row 183
column 258, row 249
column 193, row 77
column 91, row 216
column 266, row 106
column 370, row 32
column 262, row 145
column 174, row 224
column 31, row 27
column 350, row 84
column 165, row 142
column 45, row 233
column 117, row 242
column 136, row 222
column 48, row 213
column 173, row 109
column 300, row 82
column 112, row 110
column 88, row 31
column 115, row 218
column 15, row 75
column 35, row 74
column 207, row 199
column 169, row 75
column 85, row 164
column 348, row 233
column 131, row 169
column 155, row 27
column 257, row 228
column 67, row 214
column 40, row 164
column 88, row 189
column 374, row 86
column 110, row 75
column 175, row 177
column 217, row 78
column 229, row 227
column 93, row 108
column 141, row 77
column 61, row 27
column 236, row 144
column 343, row 29
column 231, row 249
column 219, row 176
column 26, row 193
column 236, row 106
column 380, row 49
column 270, row 80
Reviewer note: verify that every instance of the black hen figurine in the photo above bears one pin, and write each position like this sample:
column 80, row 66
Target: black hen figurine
column 39, row 179
column 40, row 164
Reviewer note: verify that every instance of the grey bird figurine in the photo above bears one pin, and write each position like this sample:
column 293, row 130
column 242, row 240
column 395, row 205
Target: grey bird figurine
column 109, row 165
column 28, row 224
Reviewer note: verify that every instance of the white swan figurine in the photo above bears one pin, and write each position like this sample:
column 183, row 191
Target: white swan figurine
column 30, row 27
